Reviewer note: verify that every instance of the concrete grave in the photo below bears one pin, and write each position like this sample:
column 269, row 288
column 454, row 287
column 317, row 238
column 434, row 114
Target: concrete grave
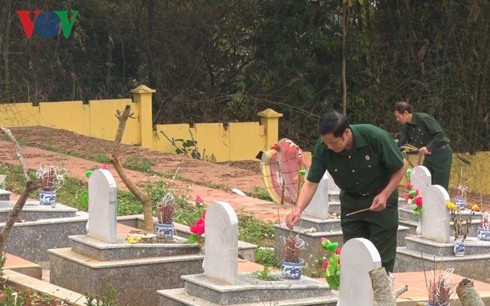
column 102, row 198
column 359, row 256
column 221, row 244
column 435, row 215
column 435, row 246
column 102, row 258
column 420, row 178
column 318, row 207
column 225, row 286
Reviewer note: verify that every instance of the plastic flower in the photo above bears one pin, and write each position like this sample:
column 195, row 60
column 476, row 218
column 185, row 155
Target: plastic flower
column 475, row 207
column 451, row 205
column 332, row 264
column 198, row 227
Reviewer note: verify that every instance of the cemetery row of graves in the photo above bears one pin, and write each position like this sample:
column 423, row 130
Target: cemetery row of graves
column 204, row 267
column 198, row 265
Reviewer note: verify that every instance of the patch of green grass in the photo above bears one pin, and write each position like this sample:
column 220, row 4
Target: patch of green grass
column 261, row 193
column 138, row 163
column 256, row 231
column 98, row 157
column 266, row 257
column 265, row 275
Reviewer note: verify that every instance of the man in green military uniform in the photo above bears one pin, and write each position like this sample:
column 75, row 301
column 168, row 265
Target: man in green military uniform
column 366, row 164
column 424, row 132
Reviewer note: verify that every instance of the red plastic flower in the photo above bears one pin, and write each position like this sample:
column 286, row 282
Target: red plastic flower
column 198, row 227
column 418, row 201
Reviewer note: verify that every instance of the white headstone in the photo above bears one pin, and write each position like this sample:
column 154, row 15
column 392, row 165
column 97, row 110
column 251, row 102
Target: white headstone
column 318, row 207
column 332, row 187
column 358, row 256
column 420, row 178
column 221, row 243
column 102, row 197
column 435, row 215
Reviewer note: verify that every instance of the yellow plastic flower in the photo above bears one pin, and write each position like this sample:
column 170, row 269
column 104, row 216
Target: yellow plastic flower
column 475, row 207
column 133, row 238
column 450, row 205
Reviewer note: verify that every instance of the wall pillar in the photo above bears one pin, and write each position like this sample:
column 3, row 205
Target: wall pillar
column 142, row 96
column 270, row 120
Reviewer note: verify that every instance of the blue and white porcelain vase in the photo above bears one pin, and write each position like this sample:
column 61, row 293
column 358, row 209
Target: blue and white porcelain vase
column 459, row 247
column 291, row 270
column 165, row 230
column 47, row 198
column 483, row 234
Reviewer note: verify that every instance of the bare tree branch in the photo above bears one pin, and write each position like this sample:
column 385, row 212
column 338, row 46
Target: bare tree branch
column 19, row 205
column 114, row 159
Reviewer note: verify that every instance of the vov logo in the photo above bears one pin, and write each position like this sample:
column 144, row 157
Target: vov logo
column 47, row 24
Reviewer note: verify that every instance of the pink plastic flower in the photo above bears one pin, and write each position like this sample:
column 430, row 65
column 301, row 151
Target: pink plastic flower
column 325, row 265
column 198, row 227
column 199, row 200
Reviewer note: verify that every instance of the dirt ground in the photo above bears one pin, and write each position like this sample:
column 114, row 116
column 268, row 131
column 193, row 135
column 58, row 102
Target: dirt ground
column 245, row 175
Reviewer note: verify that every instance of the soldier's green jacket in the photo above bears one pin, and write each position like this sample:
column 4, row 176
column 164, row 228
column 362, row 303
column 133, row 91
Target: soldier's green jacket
column 423, row 131
column 363, row 172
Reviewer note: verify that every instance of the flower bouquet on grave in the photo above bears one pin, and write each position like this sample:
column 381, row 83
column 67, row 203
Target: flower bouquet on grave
column 292, row 264
column 413, row 195
column 440, row 288
column 165, row 210
column 331, row 265
column 461, row 226
column 52, row 178
column 198, row 228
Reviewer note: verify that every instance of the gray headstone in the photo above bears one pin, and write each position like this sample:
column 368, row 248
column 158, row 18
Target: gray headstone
column 318, row 207
column 358, row 257
column 435, row 215
column 102, row 197
column 221, row 243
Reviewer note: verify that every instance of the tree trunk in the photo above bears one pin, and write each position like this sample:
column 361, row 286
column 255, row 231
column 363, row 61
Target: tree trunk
column 467, row 294
column 382, row 285
column 114, row 158
column 344, row 60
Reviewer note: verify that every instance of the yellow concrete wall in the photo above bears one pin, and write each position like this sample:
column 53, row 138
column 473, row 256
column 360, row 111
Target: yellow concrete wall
column 245, row 140
column 236, row 141
column 19, row 114
column 104, row 124
column 213, row 140
column 71, row 115
column 175, row 131
column 472, row 171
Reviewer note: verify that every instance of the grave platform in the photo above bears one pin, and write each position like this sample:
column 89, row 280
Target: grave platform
column 33, row 211
column 407, row 219
column 245, row 250
column 421, row 253
column 41, row 227
column 200, row 290
column 90, row 265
